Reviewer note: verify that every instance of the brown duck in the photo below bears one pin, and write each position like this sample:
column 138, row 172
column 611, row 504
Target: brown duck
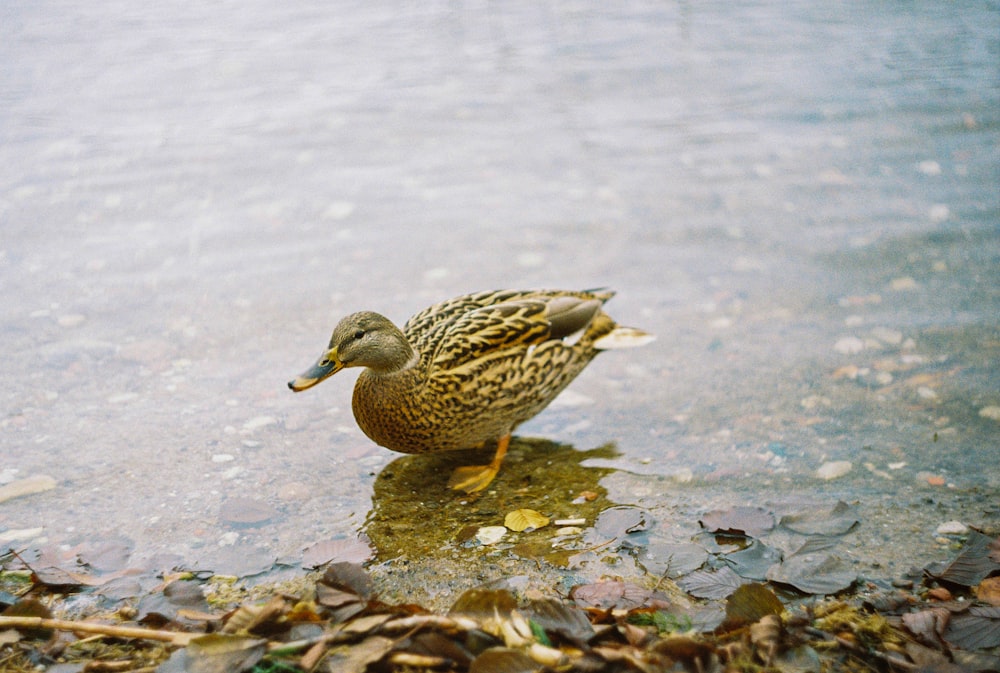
column 468, row 371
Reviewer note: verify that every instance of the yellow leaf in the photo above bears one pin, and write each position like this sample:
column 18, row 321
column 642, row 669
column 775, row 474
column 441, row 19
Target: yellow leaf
column 525, row 519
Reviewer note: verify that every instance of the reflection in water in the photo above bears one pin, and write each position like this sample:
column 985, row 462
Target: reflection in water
column 416, row 516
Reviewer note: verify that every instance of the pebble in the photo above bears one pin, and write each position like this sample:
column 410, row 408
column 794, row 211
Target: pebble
column 813, row 401
column 488, row 535
column 834, row 469
column 147, row 351
column 990, row 412
column 939, row 212
column 929, row 167
column 903, row 283
column 849, row 345
column 437, row 273
column 930, row 479
column 71, row 320
column 294, row 491
column 883, row 378
column 531, row 260
column 20, row 534
column 683, row 475
column 223, row 457
column 871, row 467
column 926, row 393
column 339, row 210
column 902, row 583
column 952, row 528
column 246, row 511
column 37, row 483
column 892, row 337
column 939, row 594
column 259, row 422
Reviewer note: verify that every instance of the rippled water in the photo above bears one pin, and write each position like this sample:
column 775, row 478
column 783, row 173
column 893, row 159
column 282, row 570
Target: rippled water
column 191, row 195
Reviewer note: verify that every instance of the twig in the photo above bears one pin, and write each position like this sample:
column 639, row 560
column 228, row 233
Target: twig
column 179, row 638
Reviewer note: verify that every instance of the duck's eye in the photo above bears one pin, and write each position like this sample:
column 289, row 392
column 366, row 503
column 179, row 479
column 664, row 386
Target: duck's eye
column 358, row 335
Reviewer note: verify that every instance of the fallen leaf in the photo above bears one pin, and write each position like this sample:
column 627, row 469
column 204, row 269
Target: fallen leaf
column 238, row 511
column 483, row 604
column 348, row 577
column 973, row 564
column 357, row 658
column 164, row 605
column 555, row 617
column 927, row 625
column 672, row 559
column 814, row 570
column 107, row 555
column 713, row 584
column 822, row 519
column 525, row 520
column 617, row 522
column 754, row 561
column 219, row 653
column 752, row 521
column 503, row 660
column 615, row 594
column 750, row 602
column 347, row 550
column 976, row 629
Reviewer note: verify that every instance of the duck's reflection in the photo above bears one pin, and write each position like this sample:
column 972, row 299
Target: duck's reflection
column 416, row 515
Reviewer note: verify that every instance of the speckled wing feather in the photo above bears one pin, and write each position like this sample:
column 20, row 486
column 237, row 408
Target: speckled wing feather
column 491, row 331
column 489, row 324
column 426, row 327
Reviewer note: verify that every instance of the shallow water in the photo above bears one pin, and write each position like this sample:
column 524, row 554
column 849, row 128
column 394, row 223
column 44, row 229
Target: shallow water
column 800, row 200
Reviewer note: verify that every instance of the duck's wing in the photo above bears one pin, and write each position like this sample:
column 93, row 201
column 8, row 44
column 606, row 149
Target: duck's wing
column 425, row 325
column 512, row 325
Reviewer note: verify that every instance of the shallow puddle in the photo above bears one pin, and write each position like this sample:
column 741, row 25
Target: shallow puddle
column 798, row 201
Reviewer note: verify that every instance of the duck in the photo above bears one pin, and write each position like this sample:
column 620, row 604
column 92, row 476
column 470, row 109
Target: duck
column 466, row 372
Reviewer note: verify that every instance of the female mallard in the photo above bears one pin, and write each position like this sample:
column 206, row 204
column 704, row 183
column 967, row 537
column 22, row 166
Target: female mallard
column 469, row 370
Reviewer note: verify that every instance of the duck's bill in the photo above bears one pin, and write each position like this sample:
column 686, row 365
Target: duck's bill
column 325, row 367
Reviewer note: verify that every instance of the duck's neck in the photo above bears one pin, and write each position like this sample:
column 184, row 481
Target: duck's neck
column 397, row 358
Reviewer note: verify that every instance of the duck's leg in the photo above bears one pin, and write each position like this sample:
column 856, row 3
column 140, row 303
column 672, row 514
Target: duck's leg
column 472, row 478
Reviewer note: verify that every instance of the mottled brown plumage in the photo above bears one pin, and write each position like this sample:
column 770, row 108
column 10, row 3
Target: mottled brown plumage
column 468, row 371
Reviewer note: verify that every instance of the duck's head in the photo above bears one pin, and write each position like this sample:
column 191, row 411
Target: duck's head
column 364, row 339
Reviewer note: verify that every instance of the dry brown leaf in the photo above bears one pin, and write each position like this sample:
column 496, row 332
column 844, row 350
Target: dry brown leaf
column 356, row 658
column 751, row 603
column 503, row 660
column 219, row 653
column 976, row 629
column 973, row 564
column 612, row 594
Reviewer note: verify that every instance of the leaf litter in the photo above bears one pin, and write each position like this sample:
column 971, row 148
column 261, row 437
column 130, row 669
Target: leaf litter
column 338, row 623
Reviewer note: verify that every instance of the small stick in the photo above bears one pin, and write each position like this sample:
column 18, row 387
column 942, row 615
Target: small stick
column 173, row 637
